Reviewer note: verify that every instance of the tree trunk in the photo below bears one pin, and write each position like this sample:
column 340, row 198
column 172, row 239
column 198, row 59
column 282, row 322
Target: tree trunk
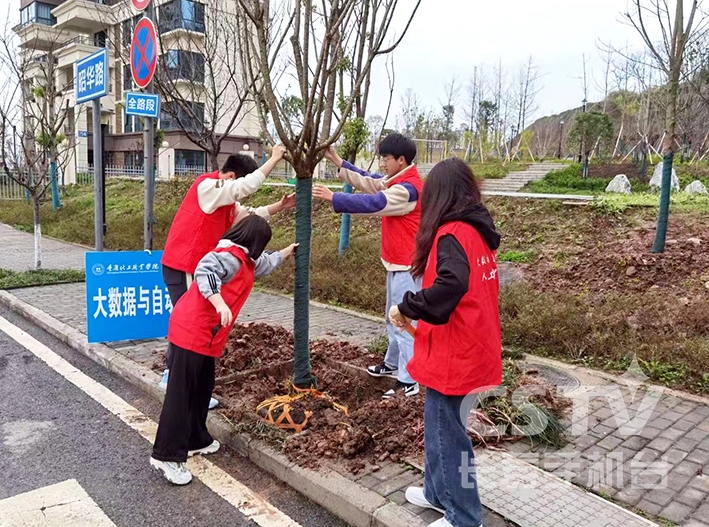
column 668, row 147
column 346, row 222
column 303, row 377
column 37, row 233
column 213, row 160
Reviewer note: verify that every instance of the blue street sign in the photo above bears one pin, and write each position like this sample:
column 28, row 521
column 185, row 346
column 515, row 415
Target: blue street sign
column 143, row 104
column 92, row 77
column 83, row 133
column 126, row 298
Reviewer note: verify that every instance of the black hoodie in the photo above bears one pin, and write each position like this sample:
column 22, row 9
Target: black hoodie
column 436, row 304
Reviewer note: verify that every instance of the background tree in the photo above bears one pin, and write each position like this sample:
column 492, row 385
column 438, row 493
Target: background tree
column 410, row 112
column 200, row 74
column 33, row 115
column 311, row 39
column 678, row 29
column 590, row 131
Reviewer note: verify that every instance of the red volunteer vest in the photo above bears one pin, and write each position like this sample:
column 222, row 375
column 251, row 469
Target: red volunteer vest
column 464, row 355
column 194, row 318
column 193, row 232
column 399, row 232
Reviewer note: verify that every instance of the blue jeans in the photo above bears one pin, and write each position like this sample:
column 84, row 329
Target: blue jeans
column 401, row 344
column 450, row 482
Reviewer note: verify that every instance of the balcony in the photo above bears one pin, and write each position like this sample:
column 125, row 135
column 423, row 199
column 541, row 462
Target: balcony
column 89, row 16
column 36, row 35
column 79, row 47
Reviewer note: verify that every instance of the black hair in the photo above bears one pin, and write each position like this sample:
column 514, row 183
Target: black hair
column 398, row 145
column 253, row 233
column 450, row 187
column 240, row 164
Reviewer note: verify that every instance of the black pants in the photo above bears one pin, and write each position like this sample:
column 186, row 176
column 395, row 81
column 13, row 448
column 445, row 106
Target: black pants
column 183, row 420
column 176, row 282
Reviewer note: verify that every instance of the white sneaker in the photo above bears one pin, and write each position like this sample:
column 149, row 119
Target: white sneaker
column 213, row 403
column 415, row 496
column 175, row 473
column 444, row 523
column 163, row 382
column 209, row 449
column 409, row 390
column 441, row 523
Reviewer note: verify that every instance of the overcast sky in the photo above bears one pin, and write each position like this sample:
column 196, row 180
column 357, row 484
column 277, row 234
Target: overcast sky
column 451, row 37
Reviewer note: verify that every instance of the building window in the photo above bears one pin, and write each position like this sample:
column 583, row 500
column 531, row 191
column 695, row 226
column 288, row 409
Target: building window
column 38, row 12
column 128, row 27
column 127, row 78
column 100, row 39
column 189, row 158
column 185, row 116
column 131, row 123
column 134, row 159
column 181, row 14
column 184, row 65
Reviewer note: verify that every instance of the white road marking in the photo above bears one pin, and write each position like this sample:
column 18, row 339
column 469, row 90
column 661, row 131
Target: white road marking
column 64, row 504
column 221, row 483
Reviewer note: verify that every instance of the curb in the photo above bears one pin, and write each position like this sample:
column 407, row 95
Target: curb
column 358, row 506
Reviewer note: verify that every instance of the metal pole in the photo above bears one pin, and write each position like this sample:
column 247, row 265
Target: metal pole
column 148, row 164
column 98, row 180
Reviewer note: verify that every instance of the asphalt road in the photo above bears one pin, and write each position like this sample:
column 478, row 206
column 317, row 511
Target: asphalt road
column 74, row 456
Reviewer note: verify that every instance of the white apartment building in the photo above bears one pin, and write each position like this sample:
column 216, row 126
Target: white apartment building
column 70, row 30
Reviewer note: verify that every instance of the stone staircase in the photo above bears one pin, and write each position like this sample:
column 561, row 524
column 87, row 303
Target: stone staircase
column 515, row 181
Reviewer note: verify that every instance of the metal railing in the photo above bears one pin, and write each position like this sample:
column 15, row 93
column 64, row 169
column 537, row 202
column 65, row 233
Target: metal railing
column 85, row 173
column 10, row 189
column 189, row 170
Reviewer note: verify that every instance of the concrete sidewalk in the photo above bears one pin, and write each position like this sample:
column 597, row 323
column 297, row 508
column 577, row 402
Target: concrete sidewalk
column 17, row 252
column 510, row 484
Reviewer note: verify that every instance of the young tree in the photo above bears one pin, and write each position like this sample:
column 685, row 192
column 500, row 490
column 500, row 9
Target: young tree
column 448, row 104
column 33, row 113
column 589, row 131
column 312, row 40
column 677, row 28
column 528, row 89
column 410, row 111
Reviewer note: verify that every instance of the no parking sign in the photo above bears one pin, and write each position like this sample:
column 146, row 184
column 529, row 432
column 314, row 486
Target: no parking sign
column 143, row 52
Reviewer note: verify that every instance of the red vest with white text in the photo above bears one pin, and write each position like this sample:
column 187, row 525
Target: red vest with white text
column 465, row 354
column 194, row 232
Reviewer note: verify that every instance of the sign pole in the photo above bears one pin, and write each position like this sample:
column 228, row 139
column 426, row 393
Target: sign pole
column 98, row 180
column 149, row 162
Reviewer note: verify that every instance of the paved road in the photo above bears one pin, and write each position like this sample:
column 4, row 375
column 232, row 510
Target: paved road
column 77, row 459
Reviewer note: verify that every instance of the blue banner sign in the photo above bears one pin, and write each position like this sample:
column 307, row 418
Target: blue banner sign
column 92, row 77
column 143, row 104
column 126, row 298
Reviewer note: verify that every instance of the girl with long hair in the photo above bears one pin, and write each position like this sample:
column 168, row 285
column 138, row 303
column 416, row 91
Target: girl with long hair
column 457, row 349
column 199, row 328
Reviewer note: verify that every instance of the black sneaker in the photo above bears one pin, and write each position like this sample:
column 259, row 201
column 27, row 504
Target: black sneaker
column 409, row 389
column 382, row 371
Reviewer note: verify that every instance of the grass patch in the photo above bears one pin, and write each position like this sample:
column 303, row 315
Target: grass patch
column 517, row 256
column 680, row 202
column 495, row 170
column 605, row 329
column 14, row 279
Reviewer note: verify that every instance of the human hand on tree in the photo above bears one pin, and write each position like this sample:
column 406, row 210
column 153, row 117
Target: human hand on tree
column 278, row 152
column 289, row 251
column 332, row 155
column 322, row 192
column 285, row 203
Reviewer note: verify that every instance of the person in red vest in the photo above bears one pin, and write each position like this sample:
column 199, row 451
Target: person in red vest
column 395, row 197
column 209, row 209
column 199, row 327
column 458, row 350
